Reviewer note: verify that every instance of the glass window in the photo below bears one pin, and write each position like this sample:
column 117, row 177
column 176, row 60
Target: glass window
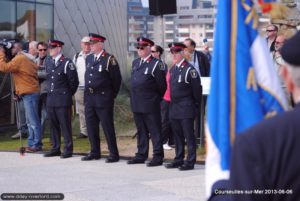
column 45, row 1
column 169, row 35
column 183, row 8
column 7, row 19
column 44, row 22
column 207, row 4
column 25, row 21
column 150, row 27
column 169, row 18
column 185, row 17
column 169, row 27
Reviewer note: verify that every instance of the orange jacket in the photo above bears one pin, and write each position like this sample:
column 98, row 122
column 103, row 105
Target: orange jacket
column 24, row 73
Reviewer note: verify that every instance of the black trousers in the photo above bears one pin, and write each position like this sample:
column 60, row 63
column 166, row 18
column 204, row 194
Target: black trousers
column 198, row 123
column 183, row 130
column 148, row 125
column 43, row 111
column 167, row 134
column 60, row 122
column 103, row 115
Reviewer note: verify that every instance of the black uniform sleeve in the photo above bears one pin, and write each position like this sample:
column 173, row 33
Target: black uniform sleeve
column 160, row 78
column 195, row 81
column 247, row 171
column 72, row 76
column 204, row 62
column 115, row 74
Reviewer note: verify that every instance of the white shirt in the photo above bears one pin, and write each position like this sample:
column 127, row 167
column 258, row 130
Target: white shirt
column 98, row 55
column 80, row 66
column 145, row 59
column 179, row 64
column 57, row 58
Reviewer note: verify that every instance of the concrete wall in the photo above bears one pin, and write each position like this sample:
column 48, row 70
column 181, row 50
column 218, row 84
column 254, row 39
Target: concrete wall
column 74, row 19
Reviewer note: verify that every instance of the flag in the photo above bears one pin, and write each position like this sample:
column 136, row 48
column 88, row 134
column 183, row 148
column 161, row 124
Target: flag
column 245, row 87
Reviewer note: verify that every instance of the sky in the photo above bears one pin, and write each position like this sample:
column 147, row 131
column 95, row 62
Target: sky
column 145, row 3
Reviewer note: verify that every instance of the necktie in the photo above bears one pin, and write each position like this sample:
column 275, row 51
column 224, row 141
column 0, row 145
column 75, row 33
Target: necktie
column 142, row 61
column 53, row 62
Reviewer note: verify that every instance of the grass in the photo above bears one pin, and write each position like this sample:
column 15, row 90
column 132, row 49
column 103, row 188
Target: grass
column 123, row 120
column 125, row 129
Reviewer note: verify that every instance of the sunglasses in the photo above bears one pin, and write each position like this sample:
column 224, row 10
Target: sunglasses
column 140, row 47
column 154, row 51
column 40, row 50
column 270, row 30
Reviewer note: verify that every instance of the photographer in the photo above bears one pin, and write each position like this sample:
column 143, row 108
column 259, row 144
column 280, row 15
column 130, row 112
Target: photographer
column 24, row 73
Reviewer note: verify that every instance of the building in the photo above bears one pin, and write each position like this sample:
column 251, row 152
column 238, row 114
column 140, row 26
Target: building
column 26, row 20
column 23, row 20
column 140, row 23
column 66, row 20
column 194, row 19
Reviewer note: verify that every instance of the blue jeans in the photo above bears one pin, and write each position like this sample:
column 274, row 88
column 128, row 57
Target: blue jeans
column 31, row 102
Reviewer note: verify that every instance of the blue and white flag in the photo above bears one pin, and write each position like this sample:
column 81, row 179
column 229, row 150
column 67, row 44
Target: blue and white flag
column 245, row 87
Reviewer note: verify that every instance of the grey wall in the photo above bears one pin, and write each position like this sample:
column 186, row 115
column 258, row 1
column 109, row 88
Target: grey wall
column 74, row 19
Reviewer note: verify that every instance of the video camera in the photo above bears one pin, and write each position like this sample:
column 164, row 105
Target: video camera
column 5, row 43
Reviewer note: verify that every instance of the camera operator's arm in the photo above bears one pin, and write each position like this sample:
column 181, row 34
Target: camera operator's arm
column 11, row 66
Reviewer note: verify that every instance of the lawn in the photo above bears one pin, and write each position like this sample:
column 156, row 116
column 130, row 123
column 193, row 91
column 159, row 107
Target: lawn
column 125, row 129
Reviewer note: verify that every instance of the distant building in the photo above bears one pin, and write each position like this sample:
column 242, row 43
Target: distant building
column 194, row 19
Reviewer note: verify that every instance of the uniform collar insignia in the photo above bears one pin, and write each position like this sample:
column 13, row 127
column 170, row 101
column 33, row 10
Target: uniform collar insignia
column 149, row 59
column 62, row 58
column 103, row 53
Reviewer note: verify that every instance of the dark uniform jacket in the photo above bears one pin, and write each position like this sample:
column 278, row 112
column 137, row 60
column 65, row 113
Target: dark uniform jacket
column 266, row 157
column 148, row 85
column 62, row 82
column 203, row 63
column 102, row 80
column 186, row 91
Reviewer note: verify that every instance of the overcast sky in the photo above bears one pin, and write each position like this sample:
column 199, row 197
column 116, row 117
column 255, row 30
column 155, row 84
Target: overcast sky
column 145, row 3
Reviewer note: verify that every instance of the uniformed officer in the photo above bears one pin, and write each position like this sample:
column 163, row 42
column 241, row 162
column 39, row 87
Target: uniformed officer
column 62, row 84
column 102, row 84
column 148, row 85
column 186, row 93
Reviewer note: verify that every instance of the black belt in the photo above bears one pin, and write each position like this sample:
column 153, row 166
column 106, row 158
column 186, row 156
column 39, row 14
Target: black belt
column 90, row 90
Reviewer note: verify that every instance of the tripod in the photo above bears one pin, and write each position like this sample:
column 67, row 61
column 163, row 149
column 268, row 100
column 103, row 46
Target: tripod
column 18, row 102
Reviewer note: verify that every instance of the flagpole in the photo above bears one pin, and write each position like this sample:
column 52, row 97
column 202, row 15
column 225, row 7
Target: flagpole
column 233, row 69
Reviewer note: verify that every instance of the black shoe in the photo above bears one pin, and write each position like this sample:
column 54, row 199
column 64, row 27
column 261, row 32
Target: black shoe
column 81, row 136
column 173, row 165
column 186, row 167
column 90, row 157
column 112, row 159
column 135, row 161
column 154, row 162
column 66, row 156
column 52, row 153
